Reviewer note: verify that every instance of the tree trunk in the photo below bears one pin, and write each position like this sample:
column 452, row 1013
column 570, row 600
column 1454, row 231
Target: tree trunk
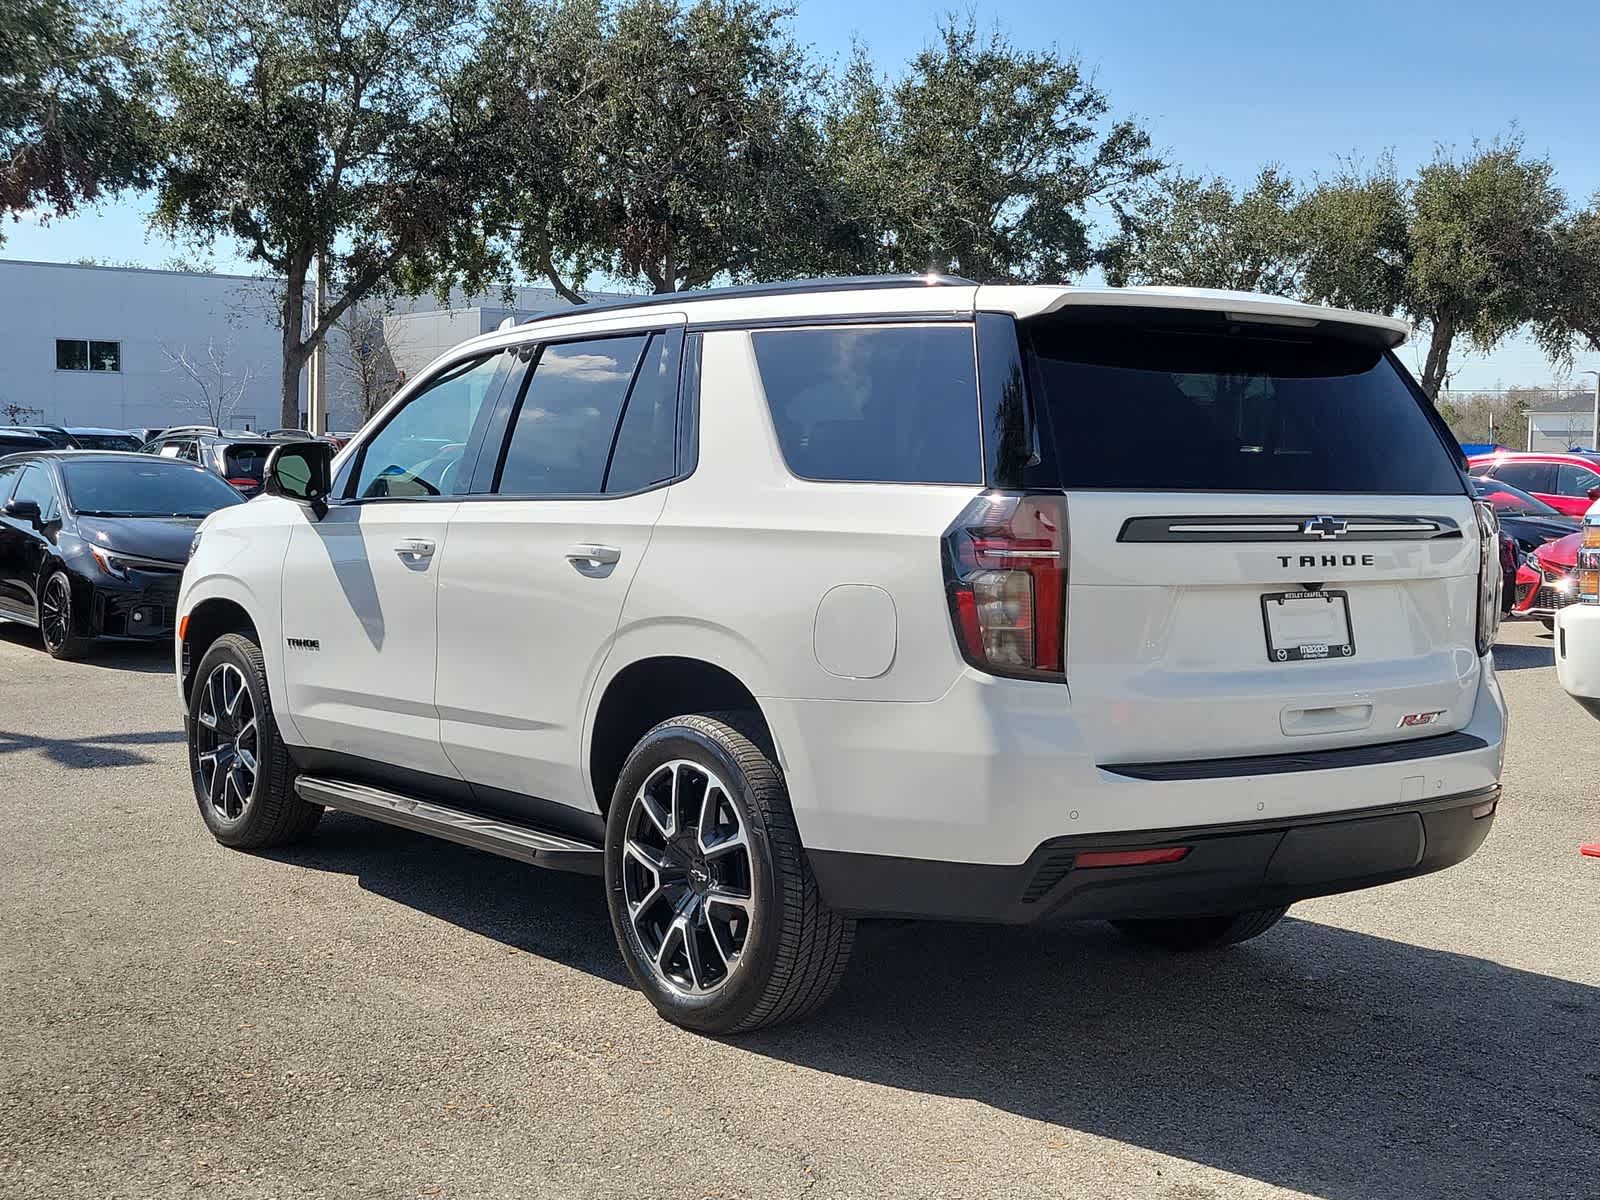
column 1437, row 365
column 294, row 348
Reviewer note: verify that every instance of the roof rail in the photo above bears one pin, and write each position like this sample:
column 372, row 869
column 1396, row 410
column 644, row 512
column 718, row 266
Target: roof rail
column 190, row 429
column 789, row 287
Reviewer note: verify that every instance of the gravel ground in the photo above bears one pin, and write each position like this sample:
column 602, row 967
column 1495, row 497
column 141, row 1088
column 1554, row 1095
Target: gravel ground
column 378, row 1014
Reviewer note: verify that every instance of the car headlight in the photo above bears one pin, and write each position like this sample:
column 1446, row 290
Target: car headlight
column 109, row 563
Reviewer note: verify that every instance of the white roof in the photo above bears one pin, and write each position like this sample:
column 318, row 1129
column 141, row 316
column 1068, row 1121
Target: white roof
column 913, row 298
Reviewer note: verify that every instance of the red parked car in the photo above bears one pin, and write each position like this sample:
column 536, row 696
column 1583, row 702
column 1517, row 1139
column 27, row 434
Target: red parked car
column 1567, row 482
column 1545, row 582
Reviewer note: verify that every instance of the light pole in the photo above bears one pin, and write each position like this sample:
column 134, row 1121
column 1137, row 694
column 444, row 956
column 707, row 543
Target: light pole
column 1594, row 443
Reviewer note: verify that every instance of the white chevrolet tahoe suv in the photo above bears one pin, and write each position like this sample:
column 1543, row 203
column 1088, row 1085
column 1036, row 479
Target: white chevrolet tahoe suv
column 785, row 606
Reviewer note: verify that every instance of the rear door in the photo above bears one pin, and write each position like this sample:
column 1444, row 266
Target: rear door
column 1271, row 547
column 538, row 563
column 1574, row 482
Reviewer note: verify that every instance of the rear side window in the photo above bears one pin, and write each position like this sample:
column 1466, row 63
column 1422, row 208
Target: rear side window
column 561, row 439
column 877, row 404
column 1179, row 408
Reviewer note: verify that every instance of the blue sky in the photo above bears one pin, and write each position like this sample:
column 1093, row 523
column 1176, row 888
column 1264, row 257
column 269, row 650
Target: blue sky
column 1223, row 88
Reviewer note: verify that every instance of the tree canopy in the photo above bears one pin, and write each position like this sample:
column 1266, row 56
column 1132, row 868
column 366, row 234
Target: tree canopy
column 75, row 121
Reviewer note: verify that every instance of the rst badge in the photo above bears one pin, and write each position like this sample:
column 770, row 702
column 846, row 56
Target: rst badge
column 1411, row 720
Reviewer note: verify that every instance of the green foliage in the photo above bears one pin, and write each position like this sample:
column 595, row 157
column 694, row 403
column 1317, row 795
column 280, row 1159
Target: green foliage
column 306, row 128
column 74, row 119
column 1194, row 232
column 983, row 159
column 652, row 142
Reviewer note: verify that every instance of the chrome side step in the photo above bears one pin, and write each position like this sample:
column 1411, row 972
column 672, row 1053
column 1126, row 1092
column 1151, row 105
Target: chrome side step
column 470, row 829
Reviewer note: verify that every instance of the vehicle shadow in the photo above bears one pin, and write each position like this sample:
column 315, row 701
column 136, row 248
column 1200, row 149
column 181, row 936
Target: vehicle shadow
column 102, row 750
column 1512, row 656
column 1319, row 1059
column 144, row 658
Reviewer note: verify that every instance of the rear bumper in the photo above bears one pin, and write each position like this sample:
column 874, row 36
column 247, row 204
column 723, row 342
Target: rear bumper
column 1228, row 868
column 1578, row 653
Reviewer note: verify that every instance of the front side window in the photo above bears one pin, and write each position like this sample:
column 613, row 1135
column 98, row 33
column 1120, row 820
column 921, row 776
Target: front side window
column 418, row 452
column 880, row 404
column 73, row 354
column 561, row 438
column 1529, row 476
column 35, row 485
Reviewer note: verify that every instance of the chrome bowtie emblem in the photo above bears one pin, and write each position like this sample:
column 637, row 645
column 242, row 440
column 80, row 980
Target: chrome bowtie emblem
column 1326, row 528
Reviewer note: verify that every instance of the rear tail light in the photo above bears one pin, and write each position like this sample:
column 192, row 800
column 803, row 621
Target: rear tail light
column 1005, row 567
column 245, row 483
column 1488, row 577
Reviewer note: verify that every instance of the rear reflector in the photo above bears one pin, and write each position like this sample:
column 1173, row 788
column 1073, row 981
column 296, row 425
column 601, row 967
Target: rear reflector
column 1483, row 810
column 1131, row 858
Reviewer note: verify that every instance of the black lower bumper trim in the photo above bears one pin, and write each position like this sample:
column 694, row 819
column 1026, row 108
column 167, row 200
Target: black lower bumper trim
column 1229, row 868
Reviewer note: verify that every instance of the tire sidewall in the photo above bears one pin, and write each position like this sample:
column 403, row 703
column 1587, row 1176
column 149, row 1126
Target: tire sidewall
column 230, row 648
column 726, row 1007
column 71, row 644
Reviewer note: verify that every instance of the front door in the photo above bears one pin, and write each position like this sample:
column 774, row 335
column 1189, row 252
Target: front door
column 360, row 586
column 535, row 571
column 24, row 545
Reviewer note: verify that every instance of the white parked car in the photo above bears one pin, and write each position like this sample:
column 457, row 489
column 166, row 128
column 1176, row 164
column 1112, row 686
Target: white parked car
column 1577, row 630
column 785, row 606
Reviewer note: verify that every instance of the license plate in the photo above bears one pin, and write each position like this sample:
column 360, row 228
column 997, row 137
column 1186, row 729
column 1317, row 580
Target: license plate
column 1307, row 625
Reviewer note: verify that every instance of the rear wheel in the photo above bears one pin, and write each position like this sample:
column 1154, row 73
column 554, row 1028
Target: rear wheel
column 1202, row 933
column 712, row 900
column 57, row 621
column 243, row 780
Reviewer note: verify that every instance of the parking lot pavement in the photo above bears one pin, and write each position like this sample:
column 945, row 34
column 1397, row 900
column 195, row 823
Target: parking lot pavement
column 378, row 1014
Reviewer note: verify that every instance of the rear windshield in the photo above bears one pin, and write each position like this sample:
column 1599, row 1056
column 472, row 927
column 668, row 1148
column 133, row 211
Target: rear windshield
column 1504, row 498
column 246, row 461
column 1170, row 408
column 107, row 441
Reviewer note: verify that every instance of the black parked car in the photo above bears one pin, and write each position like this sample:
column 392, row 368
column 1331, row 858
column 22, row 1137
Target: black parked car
column 93, row 543
column 104, row 439
column 53, row 435
column 12, row 440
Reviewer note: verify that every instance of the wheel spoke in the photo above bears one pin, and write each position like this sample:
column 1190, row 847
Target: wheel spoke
column 219, row 776
column 728, row 898
column 672, row 937
column 691, row 949
column 655, row 860
column 663, row 821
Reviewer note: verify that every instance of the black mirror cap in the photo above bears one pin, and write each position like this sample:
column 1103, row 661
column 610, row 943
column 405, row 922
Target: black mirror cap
column 24, row 510
column 302, row 472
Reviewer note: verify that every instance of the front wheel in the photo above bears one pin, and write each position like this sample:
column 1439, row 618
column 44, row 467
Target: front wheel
column 1202, row 933
column 57, row 622
column 712, row 900
column 243, row 780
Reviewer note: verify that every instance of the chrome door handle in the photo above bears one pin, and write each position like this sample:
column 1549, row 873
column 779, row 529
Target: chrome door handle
column 587, row 555
column 414, row 550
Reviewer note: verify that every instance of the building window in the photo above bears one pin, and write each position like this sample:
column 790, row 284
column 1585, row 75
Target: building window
column 75, row 355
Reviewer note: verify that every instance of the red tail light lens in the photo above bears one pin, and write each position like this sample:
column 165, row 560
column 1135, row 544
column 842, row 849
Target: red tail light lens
column 244, row 483
column 1005, row 566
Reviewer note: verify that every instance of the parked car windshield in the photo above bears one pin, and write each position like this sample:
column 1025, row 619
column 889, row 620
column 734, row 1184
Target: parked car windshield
column 129, row 488
column 1504, row 498
column 107, row 441
column 1162, row 402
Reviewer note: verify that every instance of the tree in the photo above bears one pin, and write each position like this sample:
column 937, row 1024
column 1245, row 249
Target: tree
column 319, row 130
column 1467, row 249
column 1194, row 232
column 211, row 385
column 75, row 121
column 364, row 358
column 984, row 159
column 655, row 143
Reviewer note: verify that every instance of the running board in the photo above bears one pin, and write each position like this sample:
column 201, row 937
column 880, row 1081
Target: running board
column 481, row 833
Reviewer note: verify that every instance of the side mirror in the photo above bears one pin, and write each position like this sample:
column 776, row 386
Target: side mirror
column 1594, row 493
column 25, row 510
column 302, row 472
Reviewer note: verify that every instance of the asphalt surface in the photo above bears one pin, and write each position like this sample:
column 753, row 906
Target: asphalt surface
column 378, row 1014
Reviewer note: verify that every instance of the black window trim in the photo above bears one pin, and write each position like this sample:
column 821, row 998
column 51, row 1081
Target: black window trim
column 487, row 476
column 966, row 319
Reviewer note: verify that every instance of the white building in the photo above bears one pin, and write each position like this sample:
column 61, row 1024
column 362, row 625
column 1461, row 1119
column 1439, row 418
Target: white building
column 131, row 348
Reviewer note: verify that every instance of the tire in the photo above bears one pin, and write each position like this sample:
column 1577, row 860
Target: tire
column 1202, row 933
column 788, row 950
column 246, row 809
column 57, row 616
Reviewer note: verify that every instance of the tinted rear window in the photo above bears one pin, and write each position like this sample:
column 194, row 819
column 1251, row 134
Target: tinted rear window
column 1145, row 409
column 882, row 404
column 246, row 461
